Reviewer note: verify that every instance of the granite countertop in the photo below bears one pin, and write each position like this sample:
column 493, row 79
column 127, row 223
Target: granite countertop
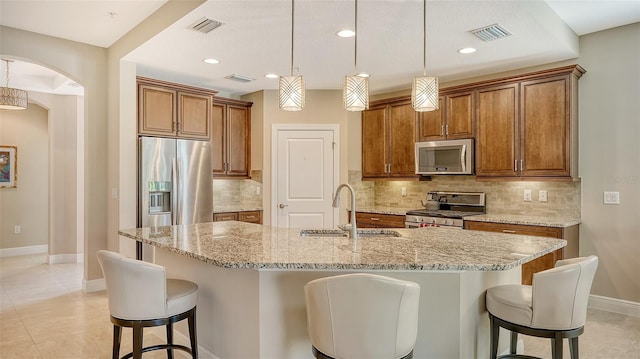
column 245, row 245
column 384, row 210
column 546, row 221
column 235, row 208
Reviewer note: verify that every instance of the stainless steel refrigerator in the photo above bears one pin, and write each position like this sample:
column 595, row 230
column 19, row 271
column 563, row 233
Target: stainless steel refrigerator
column 175, row 184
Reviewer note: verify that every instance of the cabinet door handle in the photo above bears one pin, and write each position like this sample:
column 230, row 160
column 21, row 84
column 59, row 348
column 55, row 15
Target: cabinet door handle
column 375, row 218
column 521, row 166
column 441, row 130
column 447, row 130
column 508, row 231
column 515, row 166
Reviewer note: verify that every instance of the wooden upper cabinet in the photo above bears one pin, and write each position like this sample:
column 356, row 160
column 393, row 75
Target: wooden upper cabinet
column 374, row 149
column 230, row 138
column 193, row 115
column 452, row 120
column 459, row 115
column 545, row 127
column 156, row 110
column 173, row 110
column 497, row 131
column 401, row 140
column 388, row 135
column 432, row 123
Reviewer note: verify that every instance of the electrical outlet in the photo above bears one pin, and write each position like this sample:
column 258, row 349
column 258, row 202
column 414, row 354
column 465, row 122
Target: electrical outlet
column 542, row 196
column 527, row 195
column 612, row 198
column 258, row 190
column 404, row 191
column 114, row 193
column 17, row 229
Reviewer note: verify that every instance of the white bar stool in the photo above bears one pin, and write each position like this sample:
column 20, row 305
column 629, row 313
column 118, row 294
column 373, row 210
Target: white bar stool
column 362, row 316
column 141, row 296
column 554, row 306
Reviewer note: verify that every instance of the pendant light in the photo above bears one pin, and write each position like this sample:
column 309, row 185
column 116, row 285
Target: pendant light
column 355, row 90
column 10, row 98
column 291, row 89
column 424, row 90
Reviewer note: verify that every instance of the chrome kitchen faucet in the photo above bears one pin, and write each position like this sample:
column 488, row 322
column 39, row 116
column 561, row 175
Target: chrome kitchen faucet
column 336, row 203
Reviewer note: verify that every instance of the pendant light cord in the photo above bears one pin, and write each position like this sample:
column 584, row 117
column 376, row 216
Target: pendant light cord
column 355, row 48
column 424, row 34
column 292, row 12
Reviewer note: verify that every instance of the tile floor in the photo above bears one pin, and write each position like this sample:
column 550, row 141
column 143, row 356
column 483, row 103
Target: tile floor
column 45, row 314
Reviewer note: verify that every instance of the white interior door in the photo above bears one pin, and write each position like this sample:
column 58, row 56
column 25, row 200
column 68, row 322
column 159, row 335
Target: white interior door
column 306, row 172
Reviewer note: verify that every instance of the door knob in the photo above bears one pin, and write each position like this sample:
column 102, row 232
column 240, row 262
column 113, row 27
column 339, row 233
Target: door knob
column 282, row 205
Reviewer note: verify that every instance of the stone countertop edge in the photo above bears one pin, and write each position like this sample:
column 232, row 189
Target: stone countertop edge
column 384, row 210
column 525, row 220
column 238, row 208
column 218, row 243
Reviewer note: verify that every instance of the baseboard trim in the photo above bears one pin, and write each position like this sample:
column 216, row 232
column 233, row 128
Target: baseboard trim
column 96, row 285
column 614, row 305
column 202, row 352
column 23, row 251
column 66, row 258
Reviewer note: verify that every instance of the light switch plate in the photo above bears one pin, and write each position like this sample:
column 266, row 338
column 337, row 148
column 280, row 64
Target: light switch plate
column 527, row 195
column 542, row 196
column 612, row 198
column 404, row 191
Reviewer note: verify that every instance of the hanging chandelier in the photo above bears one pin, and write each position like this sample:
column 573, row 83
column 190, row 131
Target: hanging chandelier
column 291, row 88
column 10, row 98
column 355, row 90
column 424, row 90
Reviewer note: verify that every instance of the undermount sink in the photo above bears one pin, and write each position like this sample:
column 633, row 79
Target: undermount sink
column 339, row 233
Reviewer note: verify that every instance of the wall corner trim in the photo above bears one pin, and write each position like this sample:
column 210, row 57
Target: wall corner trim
column 96, row 285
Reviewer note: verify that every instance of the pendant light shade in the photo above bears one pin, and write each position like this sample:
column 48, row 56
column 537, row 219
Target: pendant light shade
column 355, row 90
column 424, row 90
column 10, row 98
column 355, row 93
column 291, row 93
column 424, row 93
column 291, row 88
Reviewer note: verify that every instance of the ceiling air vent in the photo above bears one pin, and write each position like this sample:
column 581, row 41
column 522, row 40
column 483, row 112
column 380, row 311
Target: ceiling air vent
column 205, row 25
column 239, row 78
column 491, row 32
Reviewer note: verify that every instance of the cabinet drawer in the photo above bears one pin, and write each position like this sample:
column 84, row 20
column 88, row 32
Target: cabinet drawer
column 374, row 220
column 230, row 216
column 540, row 231
column 250, row 216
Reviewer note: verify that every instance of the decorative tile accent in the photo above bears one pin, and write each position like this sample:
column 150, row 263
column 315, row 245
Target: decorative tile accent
column 237, row 193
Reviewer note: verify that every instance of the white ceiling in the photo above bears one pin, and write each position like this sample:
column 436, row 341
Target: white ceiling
column 255, row 37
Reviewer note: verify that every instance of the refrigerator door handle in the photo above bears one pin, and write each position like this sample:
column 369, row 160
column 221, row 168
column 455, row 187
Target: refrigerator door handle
column 178, row 191
column 174, row 191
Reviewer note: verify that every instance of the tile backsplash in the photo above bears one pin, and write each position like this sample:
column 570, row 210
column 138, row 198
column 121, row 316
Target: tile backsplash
column 502, row 196
column 234, row 192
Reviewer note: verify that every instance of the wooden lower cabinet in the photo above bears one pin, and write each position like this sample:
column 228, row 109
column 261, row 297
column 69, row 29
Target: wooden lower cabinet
column 570, row 234
column 244, row 216
column 375, row 220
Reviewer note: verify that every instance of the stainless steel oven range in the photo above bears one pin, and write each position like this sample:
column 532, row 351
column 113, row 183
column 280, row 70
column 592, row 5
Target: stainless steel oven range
column 446, row 209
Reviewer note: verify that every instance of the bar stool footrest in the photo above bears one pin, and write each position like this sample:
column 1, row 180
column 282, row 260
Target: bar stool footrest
column 159, row 347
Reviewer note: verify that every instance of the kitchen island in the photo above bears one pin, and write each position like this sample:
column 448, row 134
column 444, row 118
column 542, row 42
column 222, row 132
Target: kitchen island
column 251, row 278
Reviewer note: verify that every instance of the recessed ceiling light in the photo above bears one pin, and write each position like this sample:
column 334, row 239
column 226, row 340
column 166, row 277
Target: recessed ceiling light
column 363, row 74
column 346, row 33
column 467, row 50
column 271, row 76
column 211, row 61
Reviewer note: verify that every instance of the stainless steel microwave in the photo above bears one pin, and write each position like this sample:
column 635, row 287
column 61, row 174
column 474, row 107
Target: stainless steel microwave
column 451, row 157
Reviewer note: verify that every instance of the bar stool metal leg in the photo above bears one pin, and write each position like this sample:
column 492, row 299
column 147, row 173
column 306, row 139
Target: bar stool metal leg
column 513, row 346
column 192, row 334
column 494, row 337
column 137, row 340
column 117, row 337
column 556, row 346
column 573, row 348
column 170, row 340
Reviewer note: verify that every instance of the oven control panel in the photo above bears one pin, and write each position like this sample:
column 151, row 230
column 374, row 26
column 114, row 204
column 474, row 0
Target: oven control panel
column 421, row 221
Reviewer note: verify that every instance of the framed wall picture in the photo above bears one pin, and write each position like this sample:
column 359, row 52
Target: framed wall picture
column 8, row 166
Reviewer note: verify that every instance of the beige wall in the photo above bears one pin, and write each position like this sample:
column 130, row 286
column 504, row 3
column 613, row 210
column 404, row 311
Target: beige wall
column 84, row 64
column 610, row 158
column 26, row 205
column 321, row 107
